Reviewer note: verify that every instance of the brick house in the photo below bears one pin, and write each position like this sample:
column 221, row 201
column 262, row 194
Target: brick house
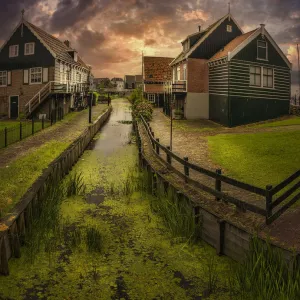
column 40, row 74
column 157, row 72
column 213, row 75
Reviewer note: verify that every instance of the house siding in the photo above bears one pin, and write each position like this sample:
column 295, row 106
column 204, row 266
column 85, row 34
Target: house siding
column 41, row 57
column 216, row 40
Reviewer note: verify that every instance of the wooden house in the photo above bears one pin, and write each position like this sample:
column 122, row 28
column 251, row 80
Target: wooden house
column 249, row 80
column 39, row 74
column 213, row 75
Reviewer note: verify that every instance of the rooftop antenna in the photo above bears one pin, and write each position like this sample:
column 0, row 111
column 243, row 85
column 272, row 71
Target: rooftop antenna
column 229, row 11
column 22, row 28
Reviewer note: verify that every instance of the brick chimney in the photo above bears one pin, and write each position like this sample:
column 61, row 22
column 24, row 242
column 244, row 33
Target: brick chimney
column 67, row 43
column 199, row 27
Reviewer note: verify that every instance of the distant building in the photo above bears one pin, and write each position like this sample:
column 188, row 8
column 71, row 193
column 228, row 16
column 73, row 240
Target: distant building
column 129, row 82
column 105, row 81
column 157, row 72
column 118, row 83
column 139, row 81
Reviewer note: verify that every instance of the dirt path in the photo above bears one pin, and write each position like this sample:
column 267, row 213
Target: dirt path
column 67, row 130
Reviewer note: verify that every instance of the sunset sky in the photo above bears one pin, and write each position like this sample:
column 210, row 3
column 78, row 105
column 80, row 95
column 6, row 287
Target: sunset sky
column 110, row 35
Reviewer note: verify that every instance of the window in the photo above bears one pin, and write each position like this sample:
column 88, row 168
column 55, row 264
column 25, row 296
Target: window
column 229, row 28
column 262, row 52
column 174, row 74
column 13, row 51
column 29, row 49
column 255, row 76
column 3, row 78
column 184, row 72
column 268, row 77
column 151, row 98
column 178, row 73
column 35, row 75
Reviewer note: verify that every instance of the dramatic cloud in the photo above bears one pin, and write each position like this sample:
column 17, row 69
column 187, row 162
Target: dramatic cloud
column 112, row 34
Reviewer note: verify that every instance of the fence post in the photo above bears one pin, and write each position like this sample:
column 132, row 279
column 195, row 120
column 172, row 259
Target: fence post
column 51, row 118
column 268, row 203
column 43, row 123
column 157, row 147
column 5, row 136
column 168, row 156
column 20, row 131
column 32, row 126
column 218, row 185
column 186, row 169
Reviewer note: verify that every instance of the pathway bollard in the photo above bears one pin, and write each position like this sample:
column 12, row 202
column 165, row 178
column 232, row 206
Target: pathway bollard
column 218, row 184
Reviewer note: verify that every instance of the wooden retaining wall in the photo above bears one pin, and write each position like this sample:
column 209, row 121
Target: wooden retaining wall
column 226, row 237
column 13, row 227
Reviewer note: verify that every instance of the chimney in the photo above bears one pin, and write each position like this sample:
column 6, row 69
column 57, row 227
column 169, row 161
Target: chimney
column 199, row 27
column 67, row 43
column 262, row 27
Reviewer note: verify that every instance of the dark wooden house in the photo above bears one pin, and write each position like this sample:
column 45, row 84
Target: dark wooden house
column 249, row 80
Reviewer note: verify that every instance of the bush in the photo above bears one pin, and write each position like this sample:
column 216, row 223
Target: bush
column 140, row 105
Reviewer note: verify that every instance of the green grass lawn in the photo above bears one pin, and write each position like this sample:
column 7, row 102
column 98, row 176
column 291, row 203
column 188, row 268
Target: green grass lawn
column 258, row 159
column 17, row 177
column 290, row 121
column 8, row 124
column 195, row 125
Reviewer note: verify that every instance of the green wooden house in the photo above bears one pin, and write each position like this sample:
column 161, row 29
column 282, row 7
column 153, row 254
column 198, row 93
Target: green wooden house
column 249, row 80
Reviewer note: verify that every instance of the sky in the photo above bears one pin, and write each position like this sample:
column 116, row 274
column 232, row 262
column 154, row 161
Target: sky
column 111, row 35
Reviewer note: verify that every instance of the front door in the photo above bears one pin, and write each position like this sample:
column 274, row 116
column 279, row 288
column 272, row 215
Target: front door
column 14, row 107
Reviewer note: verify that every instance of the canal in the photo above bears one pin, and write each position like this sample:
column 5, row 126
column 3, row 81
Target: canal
column 110, row 243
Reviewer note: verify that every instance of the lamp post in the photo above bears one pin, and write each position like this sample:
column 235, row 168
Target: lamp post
column 171, row 116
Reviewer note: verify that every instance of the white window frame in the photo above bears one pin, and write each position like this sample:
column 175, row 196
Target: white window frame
column 3, row 74
column 178, row 73
column 258, row 58
column 174, row 74
column 229, row 28
column 184, row 72
column 32, row 49
column 151, row 98
column 262, row 77
column 33, row 71
column 14, row 51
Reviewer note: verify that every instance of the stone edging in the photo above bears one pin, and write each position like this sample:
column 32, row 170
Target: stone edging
column 14, row 225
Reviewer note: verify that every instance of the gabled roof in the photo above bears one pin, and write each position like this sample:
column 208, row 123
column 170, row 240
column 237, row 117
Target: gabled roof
column 203, row 37
column 59, row 48
column 232, row 45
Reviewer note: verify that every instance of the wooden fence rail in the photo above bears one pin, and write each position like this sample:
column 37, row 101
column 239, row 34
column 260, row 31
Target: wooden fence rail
column 268, row 192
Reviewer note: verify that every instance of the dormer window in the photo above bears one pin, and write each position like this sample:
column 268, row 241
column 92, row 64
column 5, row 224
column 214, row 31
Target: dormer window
column 262, row 50
column 186, row 46
column 229, row 28
column 74, row 55
column 13, row 50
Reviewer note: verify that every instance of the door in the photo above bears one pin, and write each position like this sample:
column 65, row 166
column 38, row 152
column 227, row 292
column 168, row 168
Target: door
column 14, row 107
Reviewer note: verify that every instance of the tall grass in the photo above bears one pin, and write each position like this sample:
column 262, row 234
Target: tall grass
column 265, row 274
column 75, row 185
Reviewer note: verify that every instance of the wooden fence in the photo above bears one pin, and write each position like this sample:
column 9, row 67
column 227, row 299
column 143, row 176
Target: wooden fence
column 15, row 226
column 273, row 207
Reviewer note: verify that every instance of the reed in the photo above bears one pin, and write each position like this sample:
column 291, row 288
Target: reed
column 93, row 239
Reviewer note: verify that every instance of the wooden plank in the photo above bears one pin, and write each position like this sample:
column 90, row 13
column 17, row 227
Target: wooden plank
column 284, row 183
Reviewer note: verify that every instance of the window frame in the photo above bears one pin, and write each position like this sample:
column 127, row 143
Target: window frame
column 178, row 73
column 31, row 73
column 3, row 76
column 262, row 68
column 257, row 46
column 229, row 28
column 10, row 52
column 33, row 47
column 185, row 72
column 150, row 96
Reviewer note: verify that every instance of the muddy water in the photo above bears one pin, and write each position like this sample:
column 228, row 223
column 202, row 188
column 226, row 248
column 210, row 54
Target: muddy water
column 139, row 259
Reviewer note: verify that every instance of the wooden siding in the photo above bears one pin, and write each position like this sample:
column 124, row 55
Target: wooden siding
column 216, row 40
column 218, row 79
column 249, row 53
column 240, row 79
column 41, row 57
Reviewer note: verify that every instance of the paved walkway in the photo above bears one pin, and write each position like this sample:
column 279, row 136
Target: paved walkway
column 66, row 130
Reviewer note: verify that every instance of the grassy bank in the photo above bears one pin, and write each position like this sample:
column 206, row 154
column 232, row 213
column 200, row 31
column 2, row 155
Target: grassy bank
column 260, row 158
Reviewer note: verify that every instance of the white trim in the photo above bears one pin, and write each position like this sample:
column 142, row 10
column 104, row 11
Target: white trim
column 252, row 37
column 9, row 51
column 267, row 55
column 31, row 83
column 18, row 105
column 31, row 53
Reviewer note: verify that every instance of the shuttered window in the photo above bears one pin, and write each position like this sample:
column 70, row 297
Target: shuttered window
column 255, row 76
column 45, row 74
column 26, row 76
column 9, row 78
column 3, row 78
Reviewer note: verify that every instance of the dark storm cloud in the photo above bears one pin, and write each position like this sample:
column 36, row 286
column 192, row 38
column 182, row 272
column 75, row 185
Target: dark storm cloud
column 90, row 39
column 10, row 14
column 291, row 34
